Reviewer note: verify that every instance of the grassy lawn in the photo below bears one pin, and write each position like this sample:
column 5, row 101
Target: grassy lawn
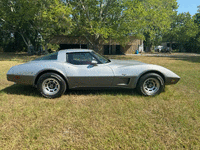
column 103, row 119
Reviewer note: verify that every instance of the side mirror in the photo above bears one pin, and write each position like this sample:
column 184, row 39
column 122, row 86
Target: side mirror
column 94, row 63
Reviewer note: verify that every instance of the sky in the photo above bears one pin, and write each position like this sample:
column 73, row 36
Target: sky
column 188, row 5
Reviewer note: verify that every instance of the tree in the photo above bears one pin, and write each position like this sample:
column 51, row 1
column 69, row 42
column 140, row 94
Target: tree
column 157, row 19
column 183, row 28
column 34, row 20
column 102, row 20
column 196, row 39
column 54, row 19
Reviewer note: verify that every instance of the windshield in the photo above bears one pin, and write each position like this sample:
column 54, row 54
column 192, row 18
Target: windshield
column 100, row 58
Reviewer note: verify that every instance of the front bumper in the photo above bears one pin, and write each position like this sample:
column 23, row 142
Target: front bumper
column 171, row 80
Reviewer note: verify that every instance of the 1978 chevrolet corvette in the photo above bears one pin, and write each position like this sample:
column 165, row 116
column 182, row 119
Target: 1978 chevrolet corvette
column 78, row 68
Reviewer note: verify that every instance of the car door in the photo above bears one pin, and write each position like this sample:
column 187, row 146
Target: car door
column 82, row 73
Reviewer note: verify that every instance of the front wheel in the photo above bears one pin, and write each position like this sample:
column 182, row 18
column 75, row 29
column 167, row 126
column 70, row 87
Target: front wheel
column 150, row 84
column 51, row 85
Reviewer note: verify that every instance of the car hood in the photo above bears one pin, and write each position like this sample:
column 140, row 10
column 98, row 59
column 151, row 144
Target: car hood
column 125, row 62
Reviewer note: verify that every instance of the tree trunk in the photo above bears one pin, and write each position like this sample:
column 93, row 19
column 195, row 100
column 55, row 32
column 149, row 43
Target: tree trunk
column 170, row 45
column 28, row 44
column 30, row 50
column 97, row 48
column 46, row 47
column 148, row 47
column 181, row 47
column 97, row 45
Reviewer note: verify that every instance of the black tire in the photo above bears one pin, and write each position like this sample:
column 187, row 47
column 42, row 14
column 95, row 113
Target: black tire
column 51, row 85
column 150, row 84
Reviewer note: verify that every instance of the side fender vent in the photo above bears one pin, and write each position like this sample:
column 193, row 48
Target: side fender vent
column 123, row 81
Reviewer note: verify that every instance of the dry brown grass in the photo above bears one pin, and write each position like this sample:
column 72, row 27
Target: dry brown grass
column 103, row 119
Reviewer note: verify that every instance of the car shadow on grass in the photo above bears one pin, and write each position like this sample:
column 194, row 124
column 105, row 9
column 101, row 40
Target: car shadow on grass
column 28, row 90
column 102, row 91
column 18, row 89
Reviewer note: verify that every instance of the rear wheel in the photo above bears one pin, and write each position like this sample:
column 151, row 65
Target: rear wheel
column 51, row 85
column 150, row 84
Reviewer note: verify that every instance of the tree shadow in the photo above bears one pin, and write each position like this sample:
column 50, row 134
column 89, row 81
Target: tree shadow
column 184, row 57
column 27, row 90
column 194, row 59
column 24, row 57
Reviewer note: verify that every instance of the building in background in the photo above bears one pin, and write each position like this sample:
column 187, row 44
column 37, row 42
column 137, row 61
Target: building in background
column 109, row 48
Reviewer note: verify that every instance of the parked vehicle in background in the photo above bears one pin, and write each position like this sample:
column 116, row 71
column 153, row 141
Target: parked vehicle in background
column 158, row 48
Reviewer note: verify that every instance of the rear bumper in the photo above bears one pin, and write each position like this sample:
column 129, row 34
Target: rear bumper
column 21, row 79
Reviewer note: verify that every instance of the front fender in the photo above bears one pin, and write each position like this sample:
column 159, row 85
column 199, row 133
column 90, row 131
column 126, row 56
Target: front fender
column 136, row 71
column 168, row 76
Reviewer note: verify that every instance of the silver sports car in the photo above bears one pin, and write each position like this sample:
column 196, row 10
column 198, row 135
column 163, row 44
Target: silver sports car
column 81, row 68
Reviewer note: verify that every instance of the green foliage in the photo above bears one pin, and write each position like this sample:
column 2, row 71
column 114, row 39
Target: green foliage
column 98, row 20
column 183, row 29
column 53, row 19
column 38, row 21
column 186, row 27
column 53, row 47
column 35, row 21
column 118, row 19
column 157, row 19
column 196, row 39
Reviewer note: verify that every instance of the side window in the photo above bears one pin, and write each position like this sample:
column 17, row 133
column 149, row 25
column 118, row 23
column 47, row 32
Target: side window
column 79, row 58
